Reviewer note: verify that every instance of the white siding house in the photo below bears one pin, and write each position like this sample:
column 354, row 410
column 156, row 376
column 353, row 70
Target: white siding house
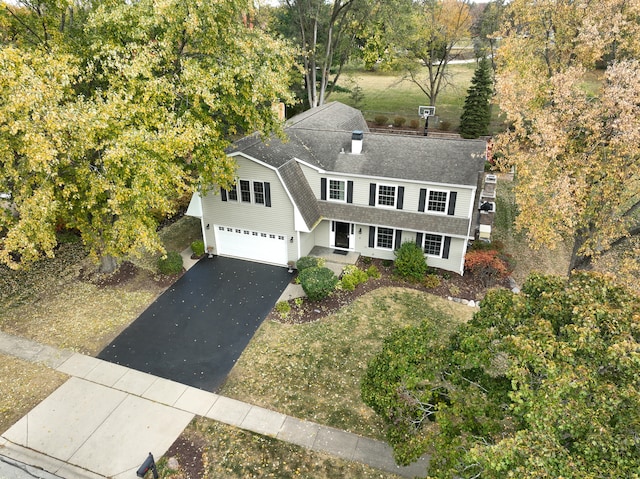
column 335, row 184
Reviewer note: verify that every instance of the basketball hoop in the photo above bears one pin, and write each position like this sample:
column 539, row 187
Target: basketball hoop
column 425, row 112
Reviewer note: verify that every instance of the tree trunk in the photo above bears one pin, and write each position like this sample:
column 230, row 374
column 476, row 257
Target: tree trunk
column 578, row 261
column 108, row 264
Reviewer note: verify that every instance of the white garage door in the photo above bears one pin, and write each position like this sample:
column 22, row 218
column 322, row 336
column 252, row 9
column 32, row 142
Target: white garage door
column 251, row 245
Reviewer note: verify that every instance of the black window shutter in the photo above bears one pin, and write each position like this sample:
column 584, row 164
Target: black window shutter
column 372, row 194
column 223, row 193
column 400, row 197
column 372, row 236
column 398, row 239
column 267, row 194
column 333, row 226
column 446, row 247
column 423, row 199
column 419, row 239
column 349, row 191
column 323, row 188
column 452, row 203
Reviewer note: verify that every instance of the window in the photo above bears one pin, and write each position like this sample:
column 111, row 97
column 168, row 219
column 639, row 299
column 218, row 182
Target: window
column 437, row 201
column 386, row 195
column 245, row 191
column 432, row 244
column 233, row 193
column 337, row 190
column 258, row 192
column 384, row 238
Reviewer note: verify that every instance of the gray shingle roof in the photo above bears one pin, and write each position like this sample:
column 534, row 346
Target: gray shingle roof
column 394, row 218
column 322, row 137
column 296, row 183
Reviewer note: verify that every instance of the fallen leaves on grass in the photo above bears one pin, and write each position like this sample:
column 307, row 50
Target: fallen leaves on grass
column 224, row 452
column 23, row 386
column 312, row 371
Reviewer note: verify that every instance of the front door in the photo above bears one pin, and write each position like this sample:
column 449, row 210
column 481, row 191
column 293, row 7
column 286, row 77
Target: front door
column 342, row 235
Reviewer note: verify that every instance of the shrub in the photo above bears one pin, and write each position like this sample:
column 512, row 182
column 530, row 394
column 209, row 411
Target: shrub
column 387, row 262
column 197, row 247
column 298, row 302
column 367, row 259
column 414, row 123
column 410, row 261
column 380, row 119
column 171, row 263
column 487, row 265
column 309, row 262
column 317, row 282
column 352, row 277
column 445, row 125
column 283, row 308
column 399, row 121
column 373, row 272
column 431, row 281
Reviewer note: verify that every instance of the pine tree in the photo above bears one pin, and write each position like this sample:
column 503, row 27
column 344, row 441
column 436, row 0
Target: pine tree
column 476, row 114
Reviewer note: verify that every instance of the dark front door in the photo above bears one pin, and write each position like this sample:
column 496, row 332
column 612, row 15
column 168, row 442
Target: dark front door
column 342, row 235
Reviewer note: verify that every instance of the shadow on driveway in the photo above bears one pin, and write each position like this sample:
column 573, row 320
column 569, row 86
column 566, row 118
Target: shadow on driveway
column 197, row 329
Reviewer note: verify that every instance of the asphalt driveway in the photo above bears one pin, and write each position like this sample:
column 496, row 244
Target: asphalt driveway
column 197, row 329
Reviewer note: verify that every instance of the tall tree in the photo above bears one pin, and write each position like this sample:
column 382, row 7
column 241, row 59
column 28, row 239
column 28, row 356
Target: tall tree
column 538, row 384
column 574, row 144
column 326, row 33
column 438, row 27
column 104, row 140
column 485, row 30
column 476, row 114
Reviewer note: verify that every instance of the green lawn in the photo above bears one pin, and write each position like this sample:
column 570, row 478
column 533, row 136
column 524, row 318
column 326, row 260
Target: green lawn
column 312, row 371
column 389, row 94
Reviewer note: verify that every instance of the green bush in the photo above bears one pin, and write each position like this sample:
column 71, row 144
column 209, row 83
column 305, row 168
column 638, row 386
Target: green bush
column 197, row 247
column 171, row 263
column 410, row 262
column 381, row 120
column 309, row 262
column 445, row 125
column 283, row 308
column 317, row 282
column 399, row 121
column 431, row 281
column 352, row 277
column 373, row 272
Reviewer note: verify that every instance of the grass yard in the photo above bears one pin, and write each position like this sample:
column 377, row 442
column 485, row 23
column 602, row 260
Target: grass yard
column 23, row 386
column 223, row 452
column 386, row 93
column 312, row 371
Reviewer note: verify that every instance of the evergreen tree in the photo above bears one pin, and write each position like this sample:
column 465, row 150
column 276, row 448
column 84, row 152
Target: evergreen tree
column 476, row 114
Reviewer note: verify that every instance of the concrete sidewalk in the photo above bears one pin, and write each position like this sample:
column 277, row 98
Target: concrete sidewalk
column 106, row 418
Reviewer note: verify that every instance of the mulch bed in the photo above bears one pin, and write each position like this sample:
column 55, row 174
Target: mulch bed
column 451, row 285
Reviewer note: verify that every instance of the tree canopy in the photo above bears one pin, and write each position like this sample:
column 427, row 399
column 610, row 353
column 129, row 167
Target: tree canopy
column 538, row 384
column 103, row 130
column 437, row 27
column 573, row 135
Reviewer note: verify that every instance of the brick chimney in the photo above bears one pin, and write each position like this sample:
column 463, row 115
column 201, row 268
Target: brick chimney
column 356, row 142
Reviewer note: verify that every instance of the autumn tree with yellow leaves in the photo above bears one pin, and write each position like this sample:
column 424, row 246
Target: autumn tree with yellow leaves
column 104, row 125
column 575, row 146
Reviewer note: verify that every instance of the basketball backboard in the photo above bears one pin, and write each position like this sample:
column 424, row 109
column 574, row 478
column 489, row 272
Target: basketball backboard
column 425, row 111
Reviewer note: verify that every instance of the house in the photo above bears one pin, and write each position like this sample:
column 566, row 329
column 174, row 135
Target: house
column 335, row 184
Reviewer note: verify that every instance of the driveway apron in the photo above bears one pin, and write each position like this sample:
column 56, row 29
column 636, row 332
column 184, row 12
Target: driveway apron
column 197, row 329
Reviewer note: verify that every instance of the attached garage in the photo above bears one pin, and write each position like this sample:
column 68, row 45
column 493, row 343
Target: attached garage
column 252, row 245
